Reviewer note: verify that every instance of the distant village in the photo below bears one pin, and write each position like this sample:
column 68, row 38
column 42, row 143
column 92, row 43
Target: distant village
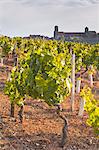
column 87, row 36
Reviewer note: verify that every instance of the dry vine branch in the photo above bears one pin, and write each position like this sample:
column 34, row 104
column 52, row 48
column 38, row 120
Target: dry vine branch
column 65, row 127
column 21, row 114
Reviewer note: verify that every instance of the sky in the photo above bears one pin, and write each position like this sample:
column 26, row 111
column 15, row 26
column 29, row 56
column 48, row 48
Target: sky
column 38, row 17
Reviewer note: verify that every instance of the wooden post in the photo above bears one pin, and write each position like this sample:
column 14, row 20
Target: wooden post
column 91, row 75
column 78, row 83
column 15, row 60
column 1, row 61
column 81, row 107
column 8, row 76
column 91, row 79
column 73, row 82
column 97, row 75
column 15, row 56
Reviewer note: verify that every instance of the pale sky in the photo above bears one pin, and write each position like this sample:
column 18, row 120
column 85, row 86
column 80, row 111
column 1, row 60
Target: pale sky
column 25, row 17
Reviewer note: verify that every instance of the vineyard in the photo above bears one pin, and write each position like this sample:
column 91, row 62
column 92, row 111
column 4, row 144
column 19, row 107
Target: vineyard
column 48, row 95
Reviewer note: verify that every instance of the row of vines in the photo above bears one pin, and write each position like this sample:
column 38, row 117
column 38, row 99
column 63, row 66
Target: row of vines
column 42, row 69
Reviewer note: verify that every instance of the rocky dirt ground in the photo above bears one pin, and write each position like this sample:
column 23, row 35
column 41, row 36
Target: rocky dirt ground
column 41, row 128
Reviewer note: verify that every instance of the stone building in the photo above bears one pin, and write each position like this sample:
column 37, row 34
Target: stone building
column 87, row 36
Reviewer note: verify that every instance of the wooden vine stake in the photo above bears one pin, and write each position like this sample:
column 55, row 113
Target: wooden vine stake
column 91, row 79
column 8, row 76
column 73, row 82
column 90, row 72
column 81, row 107
column 1, row 61
column 1, row 56
column 97, row 75
column 78, row 83
column 15, row 56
